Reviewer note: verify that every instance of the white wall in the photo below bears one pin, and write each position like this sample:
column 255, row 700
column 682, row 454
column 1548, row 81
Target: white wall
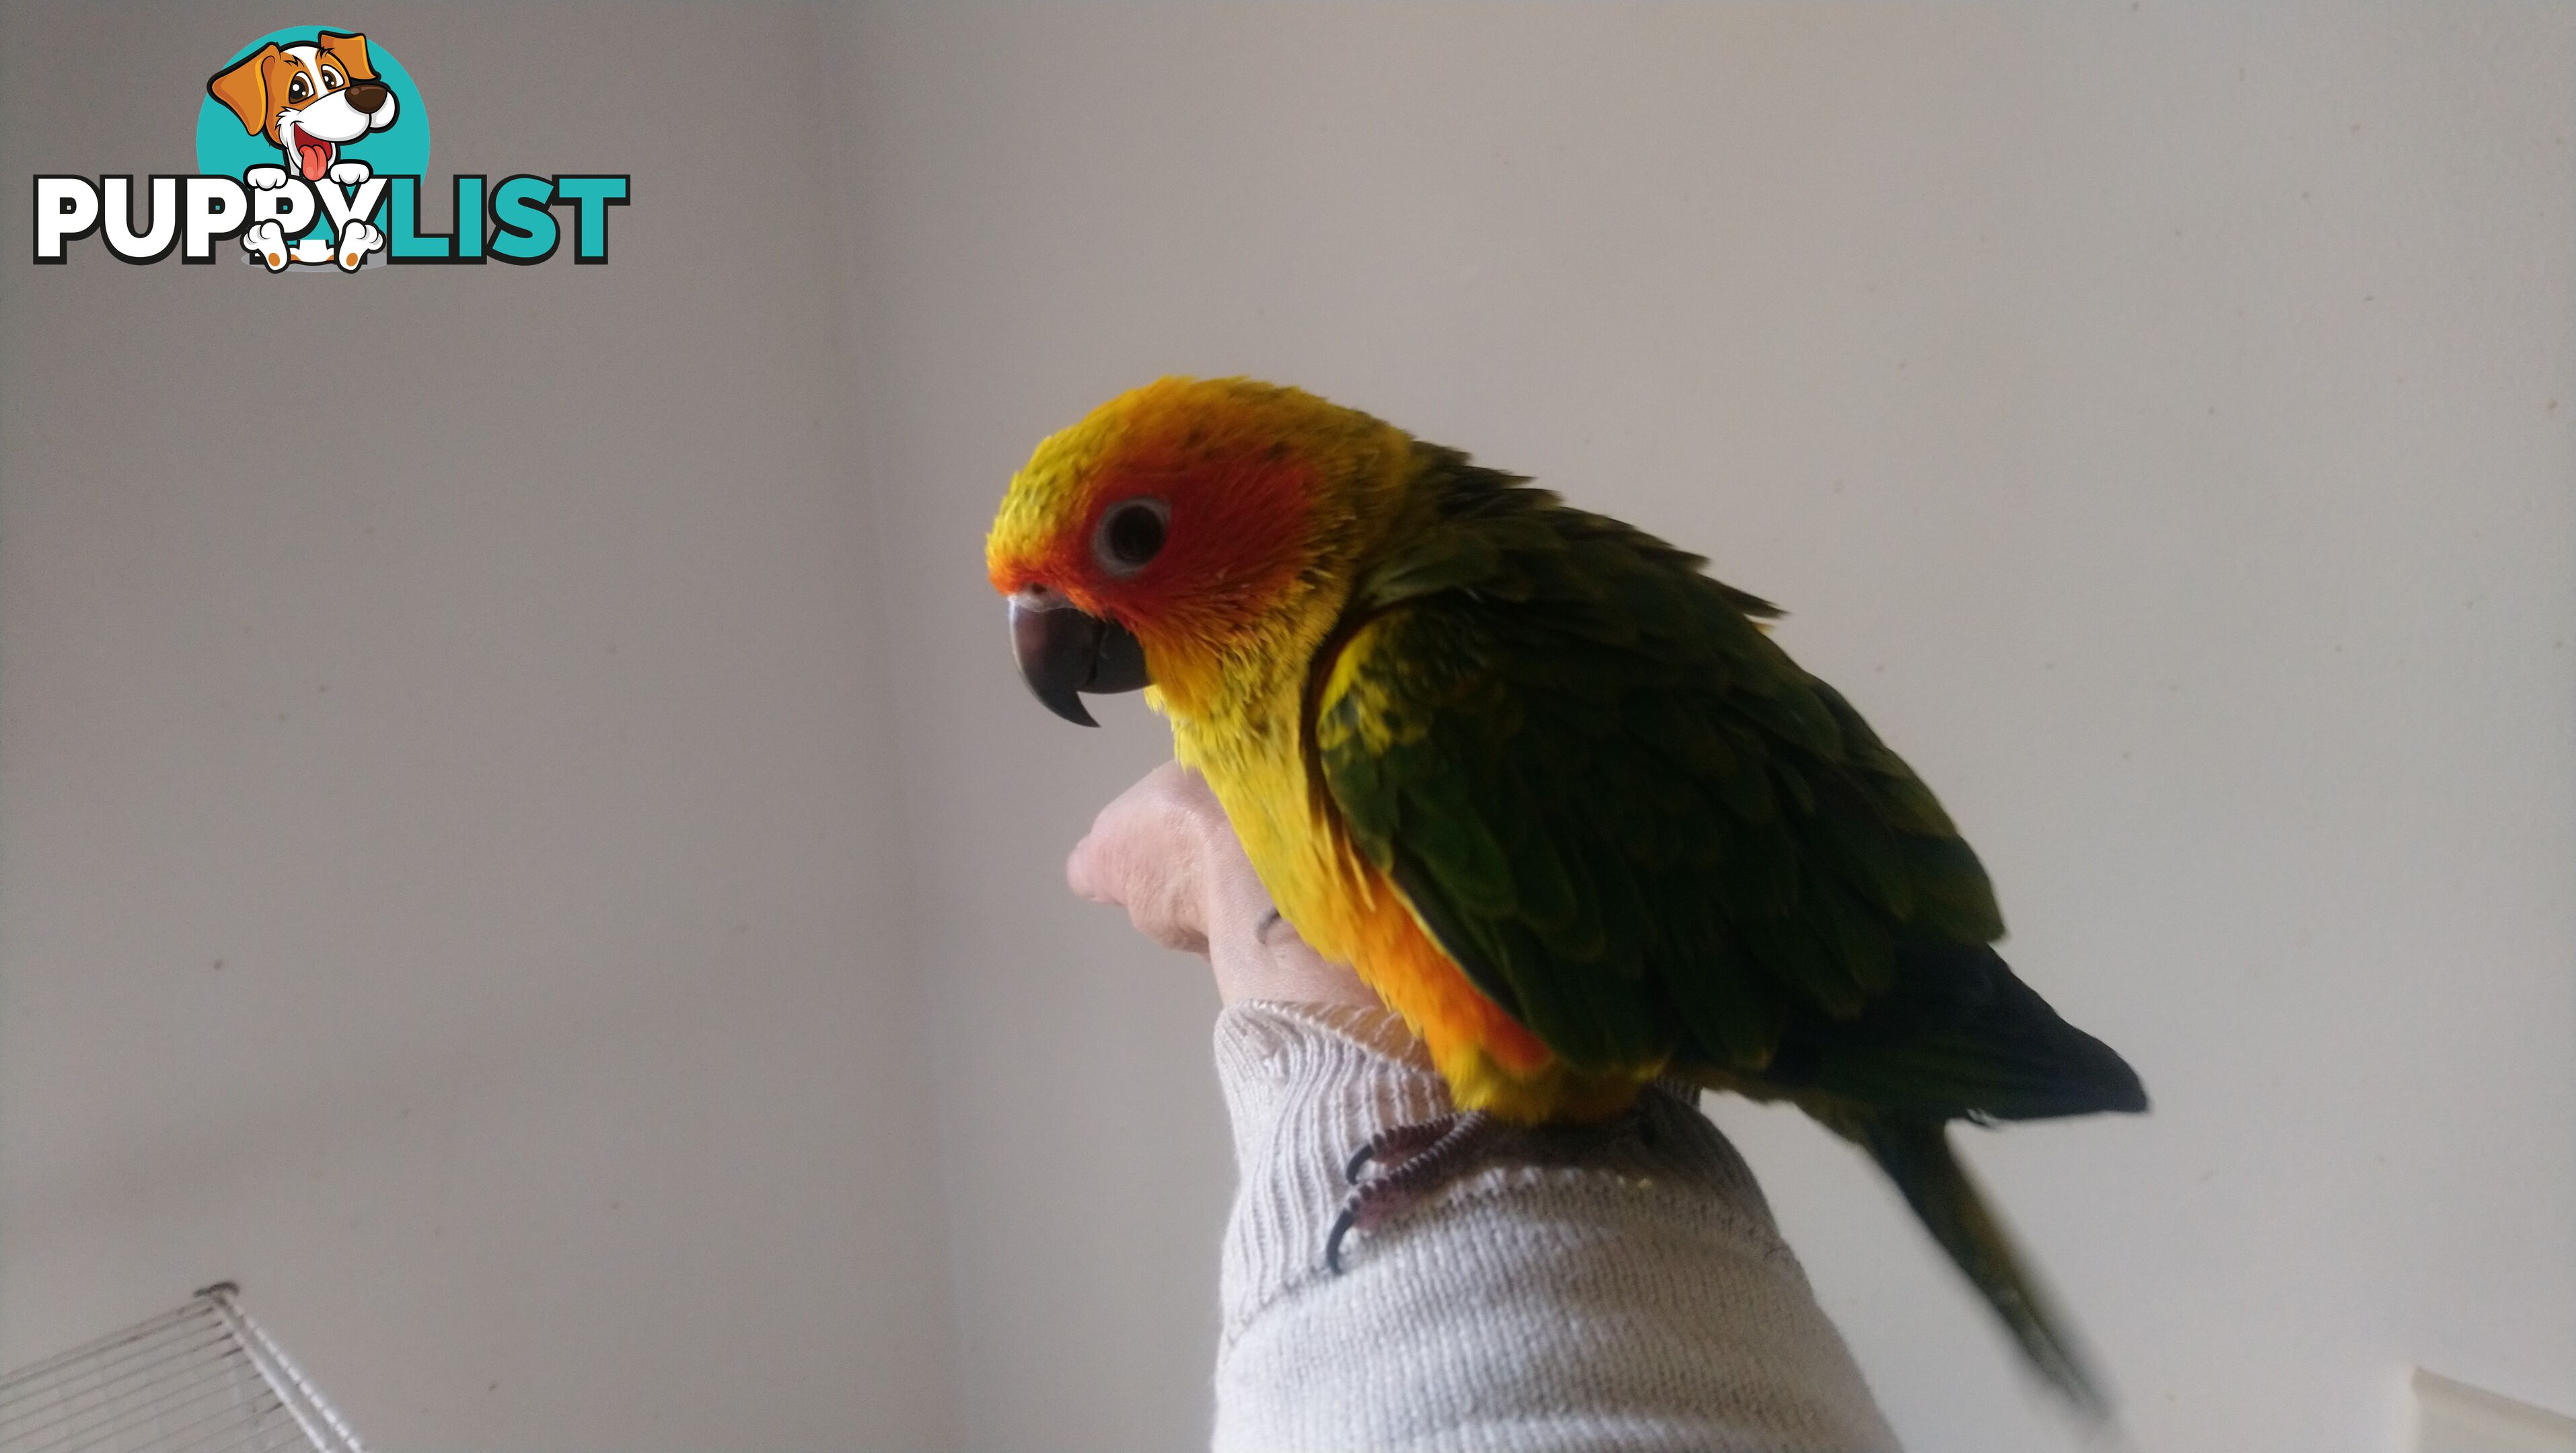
column 2157, row 420
column 476, row 665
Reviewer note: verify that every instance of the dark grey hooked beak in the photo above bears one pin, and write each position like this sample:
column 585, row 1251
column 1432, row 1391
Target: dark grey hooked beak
column 1063, row 652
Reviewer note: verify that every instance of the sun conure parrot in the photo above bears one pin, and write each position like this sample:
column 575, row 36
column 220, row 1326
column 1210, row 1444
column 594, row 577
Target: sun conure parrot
column 1549, row 789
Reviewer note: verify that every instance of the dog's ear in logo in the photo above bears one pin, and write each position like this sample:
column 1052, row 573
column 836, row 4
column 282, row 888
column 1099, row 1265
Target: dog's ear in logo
column 351, row 52
column 244, row 89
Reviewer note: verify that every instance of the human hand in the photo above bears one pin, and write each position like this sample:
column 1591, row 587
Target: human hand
column 1164, row 851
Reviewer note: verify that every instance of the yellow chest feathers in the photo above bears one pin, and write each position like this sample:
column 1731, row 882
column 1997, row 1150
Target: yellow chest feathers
column 1347, row 911
column 1259, row 775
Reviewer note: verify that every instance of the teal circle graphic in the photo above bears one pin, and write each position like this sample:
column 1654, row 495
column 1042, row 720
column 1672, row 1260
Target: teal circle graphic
column 400, row 150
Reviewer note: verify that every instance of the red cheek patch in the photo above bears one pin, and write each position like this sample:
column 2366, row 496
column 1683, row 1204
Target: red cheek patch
column 1237, row 532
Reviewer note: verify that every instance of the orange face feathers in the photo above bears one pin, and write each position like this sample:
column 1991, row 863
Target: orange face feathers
column 1229, row 500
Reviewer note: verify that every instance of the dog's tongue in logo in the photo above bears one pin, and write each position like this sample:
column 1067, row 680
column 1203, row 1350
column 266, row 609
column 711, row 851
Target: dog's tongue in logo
column 313, row 156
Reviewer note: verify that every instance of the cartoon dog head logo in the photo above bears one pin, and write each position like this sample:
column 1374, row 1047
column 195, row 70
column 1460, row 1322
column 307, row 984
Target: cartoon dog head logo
column 308, row 100
column 298, row 115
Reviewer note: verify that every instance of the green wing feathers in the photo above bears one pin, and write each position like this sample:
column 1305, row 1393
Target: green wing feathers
column 1957, row 1036
column 1645, row 832
column 1625, row 811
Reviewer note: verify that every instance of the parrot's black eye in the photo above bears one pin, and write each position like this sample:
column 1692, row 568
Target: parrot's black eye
column 1131, row 535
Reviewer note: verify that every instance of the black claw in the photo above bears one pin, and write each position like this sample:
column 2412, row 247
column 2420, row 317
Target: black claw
column 1342, row 1225
column 1359, row 1162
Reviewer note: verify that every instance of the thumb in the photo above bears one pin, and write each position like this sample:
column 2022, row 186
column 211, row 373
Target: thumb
column 1088, row 871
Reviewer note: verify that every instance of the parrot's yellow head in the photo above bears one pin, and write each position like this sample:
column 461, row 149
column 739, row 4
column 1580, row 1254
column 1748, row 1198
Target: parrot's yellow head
column 1185, row 534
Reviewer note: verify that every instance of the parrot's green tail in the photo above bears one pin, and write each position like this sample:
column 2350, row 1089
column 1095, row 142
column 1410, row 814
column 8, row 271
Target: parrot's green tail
column 1916, row 1154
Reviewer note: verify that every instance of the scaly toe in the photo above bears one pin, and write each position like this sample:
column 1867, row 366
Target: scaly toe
column 1419, row 1161
column 1395, row 1146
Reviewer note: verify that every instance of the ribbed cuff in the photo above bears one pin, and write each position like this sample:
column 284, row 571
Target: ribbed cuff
column 1307, row 1084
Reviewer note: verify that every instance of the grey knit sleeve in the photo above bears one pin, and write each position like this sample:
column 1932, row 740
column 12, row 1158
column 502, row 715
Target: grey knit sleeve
column 1640, row 1300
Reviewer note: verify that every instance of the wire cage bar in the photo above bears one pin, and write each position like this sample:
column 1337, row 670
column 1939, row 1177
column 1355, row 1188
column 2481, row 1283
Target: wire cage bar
column 202, row 1378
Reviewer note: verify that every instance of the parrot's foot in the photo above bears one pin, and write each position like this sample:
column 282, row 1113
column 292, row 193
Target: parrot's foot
column 1404, row 1144
column 1422, row 1159
column 1418, row 1160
